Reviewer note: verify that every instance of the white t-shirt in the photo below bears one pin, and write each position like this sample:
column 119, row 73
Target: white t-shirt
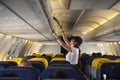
column 73, row 56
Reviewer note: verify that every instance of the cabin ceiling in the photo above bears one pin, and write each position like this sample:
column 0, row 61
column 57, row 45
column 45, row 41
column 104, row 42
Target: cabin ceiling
column 87, row 18
column 24, row 19
column 33, row 19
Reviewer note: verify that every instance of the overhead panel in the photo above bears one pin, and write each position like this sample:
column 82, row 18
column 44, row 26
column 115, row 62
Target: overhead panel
column 12, row 24
column 116, row 7
column 112, row 32
column 67, row 17
column 64, row 15
column 85, row 17
column 91, row 4
column 93, row 19
column 60, row 4
column 88, row 18
column 109, row 30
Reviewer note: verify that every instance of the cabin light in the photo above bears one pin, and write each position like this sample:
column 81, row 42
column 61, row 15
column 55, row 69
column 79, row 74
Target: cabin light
column 110, row 43
column 26, row 41
column 115, row 43
column 4, row 59
column 96, row 27
column 84, row 33
column 34, row 42
column 91, row 29
column 107, row 44
column 118, row 42
column 8, row 37
column 98, row 44
column 113, row 16
column 101, row 44
column 10, row 57
column 1, row 35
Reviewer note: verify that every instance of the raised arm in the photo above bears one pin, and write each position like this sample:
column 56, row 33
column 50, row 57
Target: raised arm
column 65, row 38
column 65, row 46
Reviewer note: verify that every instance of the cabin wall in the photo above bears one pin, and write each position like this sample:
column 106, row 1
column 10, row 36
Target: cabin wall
column 42, row 47
column 15, row 47
column 12, row 46
column 34, row 48
column 89, row 48
column 109, row 48
column 5, row 45
column 20, row 48
column 50, row 49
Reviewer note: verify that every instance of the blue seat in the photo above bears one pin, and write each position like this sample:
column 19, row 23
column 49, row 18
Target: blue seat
column 111, row 57
column 35, row 72
column 8, row 78
column 59, row 63
column 48, row 58
column 29, row 57
column 12, row 63
column 88, row 66
column 113, row 73
column 69, row 71
column 1, row 68
column 38, row 64
column 21, row 73
column 104, row 68
column 5, row 64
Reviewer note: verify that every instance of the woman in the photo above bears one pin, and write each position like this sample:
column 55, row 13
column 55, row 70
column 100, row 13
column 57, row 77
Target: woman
column 72, row 46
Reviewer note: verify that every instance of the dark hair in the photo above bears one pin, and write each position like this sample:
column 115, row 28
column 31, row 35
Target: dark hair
column 24, row 60
column 78, row 39
column 43, row 55
column 99, row 54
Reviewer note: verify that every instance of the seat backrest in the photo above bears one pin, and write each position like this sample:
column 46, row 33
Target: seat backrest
column 106, row 66
column 5, row 64
column 1, row 68
column 59, row 63
column 48, row 58
column 35, row 72
column 58, row 59
column 8, row 78
column 96, row 61
column 29, row 57
column 69, row 71
column 113, row 73
column 12, row 63
column 51, row 55
column 89, row 60
column 15, row 59
column 21, row 73
column 42, row 60
column 38, row 64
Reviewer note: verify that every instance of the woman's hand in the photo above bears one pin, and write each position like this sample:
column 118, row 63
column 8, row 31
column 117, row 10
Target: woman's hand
column 54, row 34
